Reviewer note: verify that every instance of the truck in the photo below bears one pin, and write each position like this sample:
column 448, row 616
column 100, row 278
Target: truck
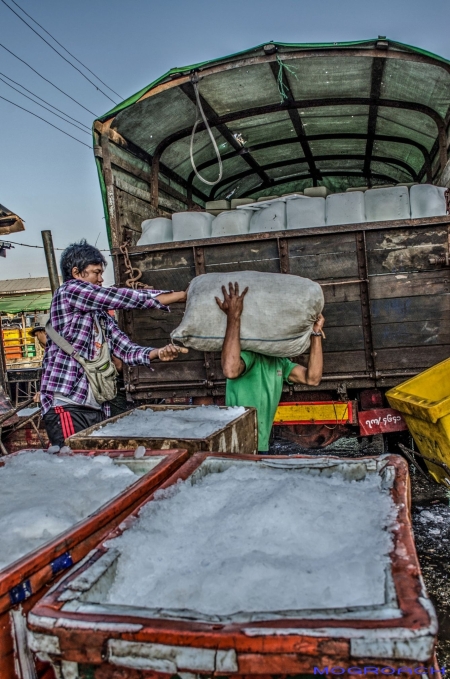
column 287, row 118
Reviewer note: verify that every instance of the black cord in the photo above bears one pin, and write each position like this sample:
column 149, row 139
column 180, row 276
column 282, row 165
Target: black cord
column 58, row 53
column 66, row 50
column 47, row 80
column 45, row 121
column 45, row 102
column 45, row 107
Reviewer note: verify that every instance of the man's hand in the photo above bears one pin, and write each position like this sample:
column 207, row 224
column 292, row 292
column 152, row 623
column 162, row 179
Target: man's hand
column 233, row 302
column 170, row 351
column 318, row 325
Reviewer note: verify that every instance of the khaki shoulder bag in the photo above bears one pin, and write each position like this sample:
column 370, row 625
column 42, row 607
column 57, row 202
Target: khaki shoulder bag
column 100, row 372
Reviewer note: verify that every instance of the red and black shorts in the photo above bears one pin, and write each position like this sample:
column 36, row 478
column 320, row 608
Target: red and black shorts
column 62, row 421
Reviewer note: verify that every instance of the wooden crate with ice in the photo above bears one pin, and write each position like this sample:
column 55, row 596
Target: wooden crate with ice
column 195, row 428
column 249, row 566
column 53, row 510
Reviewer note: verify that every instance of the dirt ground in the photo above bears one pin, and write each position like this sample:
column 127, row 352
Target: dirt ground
column 431, row 524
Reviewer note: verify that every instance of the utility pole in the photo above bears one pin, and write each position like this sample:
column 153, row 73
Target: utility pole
column 51, row 260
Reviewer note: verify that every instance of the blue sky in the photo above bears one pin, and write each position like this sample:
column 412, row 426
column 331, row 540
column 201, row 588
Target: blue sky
column 49, row 179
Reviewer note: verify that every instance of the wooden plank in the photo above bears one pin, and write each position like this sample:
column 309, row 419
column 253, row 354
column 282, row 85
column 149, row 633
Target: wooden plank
column 410, row 284
column 341, row 291
column 259, row 256
column 323, row 267
column 171, row 270
column 416, row 358
column 321, row 244
column 403, row 309
column 412, row 334
column 342, row 313
column 408, row 249
column 335, row 362
column 173, row 371
column 344, row 338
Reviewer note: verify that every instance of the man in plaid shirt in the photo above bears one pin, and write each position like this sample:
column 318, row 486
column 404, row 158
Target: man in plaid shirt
column 79, row 312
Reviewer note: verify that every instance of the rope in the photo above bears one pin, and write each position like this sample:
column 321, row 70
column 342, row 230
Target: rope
column 282, row 89
column 199, row 108
column 133, row 273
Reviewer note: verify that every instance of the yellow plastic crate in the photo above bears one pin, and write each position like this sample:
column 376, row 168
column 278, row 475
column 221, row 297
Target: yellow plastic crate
column 424, row 402
column 11, row 334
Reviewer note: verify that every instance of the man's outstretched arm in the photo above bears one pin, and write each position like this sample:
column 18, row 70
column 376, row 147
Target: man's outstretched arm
column 232, row 305
column 312, row 374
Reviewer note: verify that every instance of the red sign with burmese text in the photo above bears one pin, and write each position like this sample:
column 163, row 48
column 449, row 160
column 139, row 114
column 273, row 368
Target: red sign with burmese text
column 380, row 421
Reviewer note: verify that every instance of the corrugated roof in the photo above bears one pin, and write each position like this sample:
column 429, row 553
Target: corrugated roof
column 18, row 286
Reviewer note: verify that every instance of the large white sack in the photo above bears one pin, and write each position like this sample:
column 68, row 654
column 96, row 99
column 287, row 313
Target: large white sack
column 279, row 313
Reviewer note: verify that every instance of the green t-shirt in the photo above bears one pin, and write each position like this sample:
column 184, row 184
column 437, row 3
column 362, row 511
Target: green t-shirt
column 260, row 386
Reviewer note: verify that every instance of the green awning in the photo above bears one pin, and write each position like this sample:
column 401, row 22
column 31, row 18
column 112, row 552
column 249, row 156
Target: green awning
column 16, row 304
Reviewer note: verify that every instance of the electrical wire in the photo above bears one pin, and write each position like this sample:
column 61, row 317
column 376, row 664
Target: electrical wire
column 45, row 102
column 40, row 247
column 66, row 50
column 45, row 121
column 44, row 107
column 58, row 53
column 47, row 80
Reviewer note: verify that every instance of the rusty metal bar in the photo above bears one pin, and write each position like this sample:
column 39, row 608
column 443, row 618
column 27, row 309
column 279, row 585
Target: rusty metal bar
column 283, row 252
column 375, row 92
column 213, row 120
column 154, row 182
column 361, row 255
column 296, row 120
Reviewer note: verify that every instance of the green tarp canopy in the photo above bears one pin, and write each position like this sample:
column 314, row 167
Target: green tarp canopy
column 16, row 304
column 288, row 116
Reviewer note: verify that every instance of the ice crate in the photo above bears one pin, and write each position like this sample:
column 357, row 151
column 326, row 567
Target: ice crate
column 387, row 204
column 231, row 223
column 157, row 230
column 270, row 217
column 345, row 208
column 191, row 225
column 304, row 212
column 208, row 428
column 427, row 201
column 224, row 608
column 22, row 582
column 424, row 402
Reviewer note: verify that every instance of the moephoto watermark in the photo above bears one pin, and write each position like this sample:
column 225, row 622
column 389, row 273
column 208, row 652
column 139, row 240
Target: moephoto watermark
column 385, row 669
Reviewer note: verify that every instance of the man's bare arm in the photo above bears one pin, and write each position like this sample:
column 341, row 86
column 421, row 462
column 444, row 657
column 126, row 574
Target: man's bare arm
column 312, row 374
column 232, row 305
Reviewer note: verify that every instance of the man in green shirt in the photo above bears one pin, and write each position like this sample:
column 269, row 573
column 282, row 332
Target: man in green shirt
column 256, row 380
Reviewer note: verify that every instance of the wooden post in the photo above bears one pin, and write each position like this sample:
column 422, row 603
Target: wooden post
column 51, row 260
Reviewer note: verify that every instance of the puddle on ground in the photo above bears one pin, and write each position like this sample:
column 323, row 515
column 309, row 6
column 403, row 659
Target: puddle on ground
column 431, row 524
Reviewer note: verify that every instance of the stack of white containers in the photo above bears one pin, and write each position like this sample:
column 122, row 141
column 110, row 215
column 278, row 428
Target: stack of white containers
column 297, row 211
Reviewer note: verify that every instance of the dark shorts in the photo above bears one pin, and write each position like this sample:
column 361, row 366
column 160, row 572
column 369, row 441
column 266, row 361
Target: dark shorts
column 62, row 421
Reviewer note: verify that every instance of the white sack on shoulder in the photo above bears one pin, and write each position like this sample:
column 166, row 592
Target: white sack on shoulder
column 278, row 317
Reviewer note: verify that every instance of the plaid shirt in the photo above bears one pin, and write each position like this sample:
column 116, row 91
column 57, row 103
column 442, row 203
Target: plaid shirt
column 74, row 306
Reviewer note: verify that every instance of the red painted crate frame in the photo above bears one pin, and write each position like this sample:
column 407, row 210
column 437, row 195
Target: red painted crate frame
column 256, row 655
column 36, row 567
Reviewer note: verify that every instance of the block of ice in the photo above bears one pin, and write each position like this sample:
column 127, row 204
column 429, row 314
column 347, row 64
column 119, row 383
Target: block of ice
column 263, row 198
column 158, row 230
column 427, row 201
column 240, row 201
column 391, row 203
column 317, row 192
column 256, row 538
column 269, row 218
column 42, row 495
column 191, row 225
column 345, row 208
column 216, row 207
column 302, row 213
column 231, row 223
column 186, row 423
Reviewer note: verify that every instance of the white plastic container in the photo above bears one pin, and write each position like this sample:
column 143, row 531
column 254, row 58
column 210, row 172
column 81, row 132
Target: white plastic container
column 302, row 213
column 231, row 223
column 345, row 208
column 270, row 218
column 191, row 225
column 158, row 230
column 387, row 204
column 427, row 201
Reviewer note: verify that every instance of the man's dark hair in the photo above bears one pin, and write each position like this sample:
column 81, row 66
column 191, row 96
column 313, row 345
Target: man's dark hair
column 79, row 255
